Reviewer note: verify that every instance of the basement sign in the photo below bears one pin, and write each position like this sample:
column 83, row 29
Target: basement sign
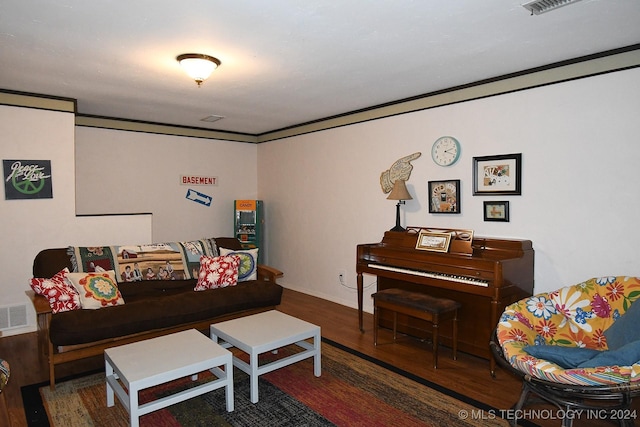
column 198, row 180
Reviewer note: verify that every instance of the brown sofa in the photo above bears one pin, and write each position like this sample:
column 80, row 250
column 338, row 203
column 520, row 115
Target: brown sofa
column 152, row 308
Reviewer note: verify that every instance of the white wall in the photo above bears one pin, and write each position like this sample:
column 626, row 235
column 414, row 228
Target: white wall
column 29, row 226
column 130, row 172
column 579, row 202
column 111, row 174
column 322, row 193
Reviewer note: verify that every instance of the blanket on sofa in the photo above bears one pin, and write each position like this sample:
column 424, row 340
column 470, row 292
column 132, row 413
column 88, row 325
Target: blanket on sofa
column 132, row 263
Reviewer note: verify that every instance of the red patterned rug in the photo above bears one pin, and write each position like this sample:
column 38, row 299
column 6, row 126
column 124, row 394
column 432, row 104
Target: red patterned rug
column 353, row 390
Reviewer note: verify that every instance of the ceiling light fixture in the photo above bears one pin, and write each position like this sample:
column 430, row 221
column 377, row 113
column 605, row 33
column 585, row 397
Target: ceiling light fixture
column 537, row 7
column 198, row 66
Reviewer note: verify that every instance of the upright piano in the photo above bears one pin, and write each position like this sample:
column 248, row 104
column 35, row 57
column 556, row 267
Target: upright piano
column 484, row 275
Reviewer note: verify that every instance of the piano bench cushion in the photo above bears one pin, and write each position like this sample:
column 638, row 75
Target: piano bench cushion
column 416, row 300
column 575, row 316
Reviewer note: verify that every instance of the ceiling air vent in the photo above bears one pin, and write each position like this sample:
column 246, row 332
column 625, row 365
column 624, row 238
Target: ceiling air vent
column 537, row 7
column 212, row 118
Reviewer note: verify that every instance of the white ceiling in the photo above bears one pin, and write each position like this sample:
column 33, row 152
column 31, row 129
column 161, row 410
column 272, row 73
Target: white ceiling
column 285, row 62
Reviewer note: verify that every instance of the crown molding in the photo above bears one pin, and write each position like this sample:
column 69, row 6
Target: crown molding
column 587, row 66
column 160, row 128
column 41, row 102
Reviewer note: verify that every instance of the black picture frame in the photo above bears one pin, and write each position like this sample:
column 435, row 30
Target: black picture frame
column 27, row 179
column 496, row 211
column 444, row 196
column 497, row 175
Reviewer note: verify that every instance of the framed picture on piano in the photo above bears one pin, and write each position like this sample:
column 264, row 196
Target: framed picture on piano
column 433, row 241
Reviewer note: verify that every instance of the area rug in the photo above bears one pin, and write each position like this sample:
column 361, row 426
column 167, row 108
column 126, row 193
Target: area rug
column 353, row 390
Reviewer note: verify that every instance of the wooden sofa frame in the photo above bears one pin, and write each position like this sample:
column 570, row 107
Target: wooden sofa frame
column 57, row 355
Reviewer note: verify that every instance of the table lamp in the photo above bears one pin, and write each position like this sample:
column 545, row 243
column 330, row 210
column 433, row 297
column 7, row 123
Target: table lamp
column 399, row 193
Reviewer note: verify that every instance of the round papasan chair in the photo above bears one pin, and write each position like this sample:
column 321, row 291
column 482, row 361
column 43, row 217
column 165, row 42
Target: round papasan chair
column 5, row 372
column 577, row 347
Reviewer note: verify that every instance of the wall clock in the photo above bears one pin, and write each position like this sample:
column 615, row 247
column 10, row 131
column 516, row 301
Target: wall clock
column 445, row 151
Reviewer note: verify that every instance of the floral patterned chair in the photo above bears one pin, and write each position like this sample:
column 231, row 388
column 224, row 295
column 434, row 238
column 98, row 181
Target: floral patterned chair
column 4, row 374
column 4, row 379
column 577, row 347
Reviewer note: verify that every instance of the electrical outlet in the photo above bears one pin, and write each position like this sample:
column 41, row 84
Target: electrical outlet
column 342, row 277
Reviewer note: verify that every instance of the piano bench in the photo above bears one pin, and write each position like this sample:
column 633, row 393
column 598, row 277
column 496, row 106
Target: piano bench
column 421, row 306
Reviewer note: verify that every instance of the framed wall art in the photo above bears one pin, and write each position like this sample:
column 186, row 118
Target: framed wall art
column 496, row 211
column 27, row 179
column 497, row 175
column 444, row 196
column 433, row 241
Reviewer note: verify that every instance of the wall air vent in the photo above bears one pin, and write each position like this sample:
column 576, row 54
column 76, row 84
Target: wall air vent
column 537, row 7
column 13, row 316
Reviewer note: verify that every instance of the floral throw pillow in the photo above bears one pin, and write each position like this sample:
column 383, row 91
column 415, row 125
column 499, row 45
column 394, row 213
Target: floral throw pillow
column 248, row 269
column 97, row 290
column 217, row 272
column 62, row 296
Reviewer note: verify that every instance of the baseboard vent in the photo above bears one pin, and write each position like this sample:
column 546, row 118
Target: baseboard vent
column 13, row 316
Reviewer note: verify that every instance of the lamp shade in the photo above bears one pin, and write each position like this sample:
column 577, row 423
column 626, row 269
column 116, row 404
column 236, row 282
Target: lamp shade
column 399, row 191
column 198, row 66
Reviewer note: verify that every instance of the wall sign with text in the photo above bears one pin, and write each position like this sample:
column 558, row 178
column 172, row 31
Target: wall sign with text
column 27, row 179
column 198, row 180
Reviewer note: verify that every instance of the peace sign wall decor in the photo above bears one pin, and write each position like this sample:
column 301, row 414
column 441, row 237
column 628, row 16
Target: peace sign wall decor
column 27, row 179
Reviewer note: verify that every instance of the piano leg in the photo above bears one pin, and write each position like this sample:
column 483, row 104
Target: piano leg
column 496, row 312
column 434, row 340
column 360, row 298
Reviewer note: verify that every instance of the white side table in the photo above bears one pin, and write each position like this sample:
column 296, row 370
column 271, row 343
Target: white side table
column 268, row 331
column 159, row 360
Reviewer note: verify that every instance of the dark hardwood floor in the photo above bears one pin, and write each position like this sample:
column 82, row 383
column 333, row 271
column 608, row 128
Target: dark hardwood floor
column 468, row 375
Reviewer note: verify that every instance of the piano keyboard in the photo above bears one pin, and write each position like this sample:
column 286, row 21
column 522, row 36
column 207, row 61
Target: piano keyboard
column 441, row 276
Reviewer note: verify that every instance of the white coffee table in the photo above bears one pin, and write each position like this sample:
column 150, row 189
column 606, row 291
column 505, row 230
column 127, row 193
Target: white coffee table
column 268, row 331
column 159, row 360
